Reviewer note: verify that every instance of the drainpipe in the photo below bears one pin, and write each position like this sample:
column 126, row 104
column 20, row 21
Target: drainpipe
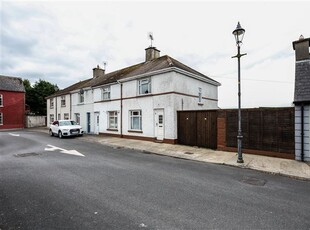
column 70, row 106
column 302, row 133
column 56, row 118
column 121, row 125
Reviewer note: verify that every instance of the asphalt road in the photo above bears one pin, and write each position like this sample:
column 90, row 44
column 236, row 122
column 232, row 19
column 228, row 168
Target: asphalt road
column 45, row 183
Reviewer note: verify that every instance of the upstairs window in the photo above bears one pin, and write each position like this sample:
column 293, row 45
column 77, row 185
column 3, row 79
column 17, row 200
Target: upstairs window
column 106, row 93
column 199, row 95
column 63, row 101
column 1, row 100
column 52, row 103
column 81, row 97
column 144, row 86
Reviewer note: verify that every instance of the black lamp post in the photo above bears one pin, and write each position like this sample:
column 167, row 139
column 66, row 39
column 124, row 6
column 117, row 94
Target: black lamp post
column 239, row 33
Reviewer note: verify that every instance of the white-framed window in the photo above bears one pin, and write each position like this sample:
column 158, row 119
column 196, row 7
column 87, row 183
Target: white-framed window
column 52, row 119
column 199, row 95
column 1, row 100
column 135, row 119
column 59, row 116
column 113, row 124
column 81, row 97
column 77, row 118
column 1, row 118
column 106, row 93
column 52, row 103
column 66, row 116
column 63, row 101
column 144, row 86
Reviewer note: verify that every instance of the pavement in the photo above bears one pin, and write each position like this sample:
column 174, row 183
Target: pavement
column 273, row 165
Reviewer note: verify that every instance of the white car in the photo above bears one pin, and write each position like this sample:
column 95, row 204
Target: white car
column 65, row 128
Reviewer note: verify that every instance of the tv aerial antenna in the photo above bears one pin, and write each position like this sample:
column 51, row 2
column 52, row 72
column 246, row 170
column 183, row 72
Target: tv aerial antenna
column 151, row 37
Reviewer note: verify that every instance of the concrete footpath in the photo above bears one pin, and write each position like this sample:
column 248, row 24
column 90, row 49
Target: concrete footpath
column 291, row 168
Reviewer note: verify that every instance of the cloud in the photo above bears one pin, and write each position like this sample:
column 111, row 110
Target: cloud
column 61, row 41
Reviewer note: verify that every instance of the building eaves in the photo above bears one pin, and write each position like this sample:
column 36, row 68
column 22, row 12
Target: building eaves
column 9, row 83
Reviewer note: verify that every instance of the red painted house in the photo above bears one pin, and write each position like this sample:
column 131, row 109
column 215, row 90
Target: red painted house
column 12, row 102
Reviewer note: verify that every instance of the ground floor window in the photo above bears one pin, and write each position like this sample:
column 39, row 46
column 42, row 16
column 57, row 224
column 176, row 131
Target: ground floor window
column 52, row 118
column 77, row 118
column 135, row 119
column 113, row 124
column 66, row 116
column 1, row 118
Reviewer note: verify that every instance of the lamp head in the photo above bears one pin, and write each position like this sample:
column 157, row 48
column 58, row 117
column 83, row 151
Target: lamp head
column 239, row 33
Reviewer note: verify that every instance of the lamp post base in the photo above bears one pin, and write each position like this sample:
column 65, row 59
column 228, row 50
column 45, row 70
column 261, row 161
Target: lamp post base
column 240, row 161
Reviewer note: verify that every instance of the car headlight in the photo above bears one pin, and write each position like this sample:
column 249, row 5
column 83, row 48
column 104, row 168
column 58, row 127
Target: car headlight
column 65, row 130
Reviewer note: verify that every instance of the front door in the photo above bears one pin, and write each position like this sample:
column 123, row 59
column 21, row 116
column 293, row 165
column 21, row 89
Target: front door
column 159, row 124
column 88, row 122
column 97, row 123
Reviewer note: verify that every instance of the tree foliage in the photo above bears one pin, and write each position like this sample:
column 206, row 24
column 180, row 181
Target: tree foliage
column 35, row 95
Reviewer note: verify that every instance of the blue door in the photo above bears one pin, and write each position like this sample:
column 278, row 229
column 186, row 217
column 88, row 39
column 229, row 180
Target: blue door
column 88, row 122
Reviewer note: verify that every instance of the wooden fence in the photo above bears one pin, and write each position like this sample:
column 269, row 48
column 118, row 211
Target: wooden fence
column 266, row 131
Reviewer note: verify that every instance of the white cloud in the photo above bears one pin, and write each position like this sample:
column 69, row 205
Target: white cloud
column 62, row 41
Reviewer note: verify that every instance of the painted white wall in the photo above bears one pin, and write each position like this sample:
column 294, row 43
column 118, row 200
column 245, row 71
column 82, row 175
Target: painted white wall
column 170, row 91
column 84, row 108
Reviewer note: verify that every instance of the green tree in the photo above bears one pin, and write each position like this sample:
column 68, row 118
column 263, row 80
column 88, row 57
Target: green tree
column 35, row 95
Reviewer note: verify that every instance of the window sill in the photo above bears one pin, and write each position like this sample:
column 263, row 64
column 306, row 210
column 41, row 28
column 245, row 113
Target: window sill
column 135, row 131
column 114, row 130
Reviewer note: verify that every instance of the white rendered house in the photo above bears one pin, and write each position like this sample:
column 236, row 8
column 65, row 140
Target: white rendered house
column 141, row 101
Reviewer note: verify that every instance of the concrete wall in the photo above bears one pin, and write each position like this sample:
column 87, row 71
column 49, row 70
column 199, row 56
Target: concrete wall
column 35, row 121
column 298, row 130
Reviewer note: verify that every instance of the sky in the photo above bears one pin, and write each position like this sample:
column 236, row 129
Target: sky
column 62, row 41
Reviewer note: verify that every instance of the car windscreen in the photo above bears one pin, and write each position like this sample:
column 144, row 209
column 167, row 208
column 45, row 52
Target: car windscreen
column 65, row 123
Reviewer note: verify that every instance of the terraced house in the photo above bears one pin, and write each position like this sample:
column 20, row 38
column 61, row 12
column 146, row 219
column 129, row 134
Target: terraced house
column 12, row 102
column 140, row 101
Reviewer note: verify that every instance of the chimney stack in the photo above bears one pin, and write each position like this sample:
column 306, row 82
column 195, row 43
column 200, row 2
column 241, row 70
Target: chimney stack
column 301, row 48
column 151, row 53
column 98, row 72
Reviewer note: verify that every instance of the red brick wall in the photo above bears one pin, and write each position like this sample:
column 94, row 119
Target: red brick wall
column 13, row 109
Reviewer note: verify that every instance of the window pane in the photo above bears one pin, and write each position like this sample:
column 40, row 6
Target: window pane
column 135, row 123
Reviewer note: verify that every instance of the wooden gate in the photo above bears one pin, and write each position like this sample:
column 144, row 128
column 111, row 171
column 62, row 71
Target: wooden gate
column 198, row 128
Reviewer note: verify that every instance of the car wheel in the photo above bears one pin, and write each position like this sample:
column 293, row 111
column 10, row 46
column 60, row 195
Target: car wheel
column 60, row 134
column 51, row 133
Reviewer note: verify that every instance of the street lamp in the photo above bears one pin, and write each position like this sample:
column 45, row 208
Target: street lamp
column 239, row 33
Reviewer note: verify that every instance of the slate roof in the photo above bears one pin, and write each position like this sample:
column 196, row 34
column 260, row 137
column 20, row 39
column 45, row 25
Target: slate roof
column 157, row 64
column 14, row 84
column 302, row 82
column 67, row 90
column 160, row 63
